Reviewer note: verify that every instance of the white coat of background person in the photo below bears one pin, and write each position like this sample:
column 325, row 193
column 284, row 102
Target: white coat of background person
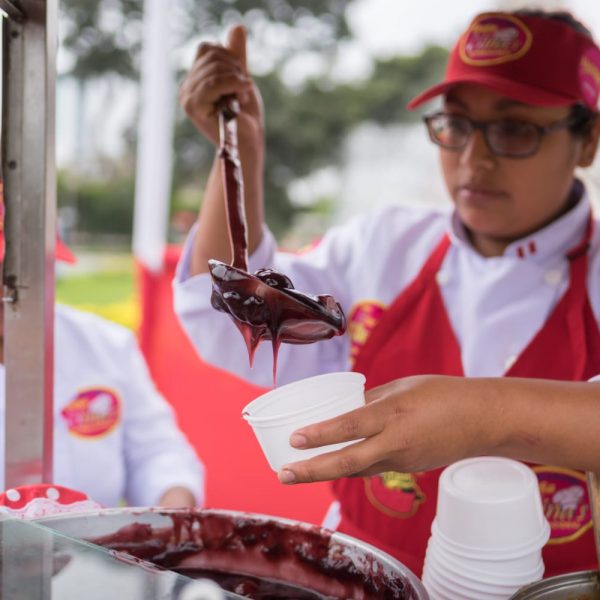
column 115, row 436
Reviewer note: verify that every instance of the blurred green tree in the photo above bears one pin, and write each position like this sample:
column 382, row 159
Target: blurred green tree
column 104, row 205
column 305, row 126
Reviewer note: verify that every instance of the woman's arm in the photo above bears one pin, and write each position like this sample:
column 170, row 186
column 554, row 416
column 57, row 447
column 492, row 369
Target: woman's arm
column 219, row 71
column 419, row 423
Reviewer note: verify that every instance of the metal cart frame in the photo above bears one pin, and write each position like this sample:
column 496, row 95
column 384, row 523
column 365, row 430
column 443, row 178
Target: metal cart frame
column 29, row 173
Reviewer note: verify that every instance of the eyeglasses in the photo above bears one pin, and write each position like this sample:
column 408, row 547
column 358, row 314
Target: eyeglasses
column 508, row 138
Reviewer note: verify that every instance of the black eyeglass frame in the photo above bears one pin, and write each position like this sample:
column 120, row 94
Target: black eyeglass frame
column 484, row 125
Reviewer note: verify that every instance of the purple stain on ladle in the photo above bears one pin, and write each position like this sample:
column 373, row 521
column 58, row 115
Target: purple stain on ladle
column 263, row 309
column 263, row 306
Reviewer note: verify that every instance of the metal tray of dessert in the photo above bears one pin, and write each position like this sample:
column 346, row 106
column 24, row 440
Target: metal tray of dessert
column 247, row 554
column 38, row 563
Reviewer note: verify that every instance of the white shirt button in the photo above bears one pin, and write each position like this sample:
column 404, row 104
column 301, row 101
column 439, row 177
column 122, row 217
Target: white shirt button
column 553, row 277
column 442, row 277
column 510, row 361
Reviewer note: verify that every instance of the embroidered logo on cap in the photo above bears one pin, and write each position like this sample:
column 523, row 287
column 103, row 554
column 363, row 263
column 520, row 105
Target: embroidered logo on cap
column 589, row 77
column 493, row 39
column 566, row 503
column 93, row 412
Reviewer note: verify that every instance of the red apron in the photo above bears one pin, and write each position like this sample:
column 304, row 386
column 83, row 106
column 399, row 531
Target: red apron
column 414, row 336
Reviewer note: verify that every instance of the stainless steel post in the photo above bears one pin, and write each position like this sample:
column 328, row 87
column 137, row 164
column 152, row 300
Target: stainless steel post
column 28, row 165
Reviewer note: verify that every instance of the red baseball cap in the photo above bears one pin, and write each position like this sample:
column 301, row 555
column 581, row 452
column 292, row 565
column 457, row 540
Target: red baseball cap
column 534, row 60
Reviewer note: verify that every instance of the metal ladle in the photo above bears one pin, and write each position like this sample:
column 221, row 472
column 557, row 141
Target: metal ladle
column 261, row 305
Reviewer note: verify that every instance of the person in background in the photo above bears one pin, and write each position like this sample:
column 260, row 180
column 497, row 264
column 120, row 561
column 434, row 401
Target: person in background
column 506, row 284
column 115, row 437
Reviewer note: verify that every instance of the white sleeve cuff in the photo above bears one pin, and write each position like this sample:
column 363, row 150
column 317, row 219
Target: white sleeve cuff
column 192, row 292
column 263, row 256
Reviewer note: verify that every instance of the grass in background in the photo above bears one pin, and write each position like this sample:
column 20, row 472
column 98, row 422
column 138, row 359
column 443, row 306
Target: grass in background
column 105, row 289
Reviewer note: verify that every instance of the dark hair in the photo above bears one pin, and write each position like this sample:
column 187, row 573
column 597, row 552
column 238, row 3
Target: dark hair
column 584, row 118
column 556, row 15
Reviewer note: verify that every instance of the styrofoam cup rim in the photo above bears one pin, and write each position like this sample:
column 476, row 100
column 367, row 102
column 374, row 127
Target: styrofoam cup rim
column 347, row 378
column 509, row 552
column 465, row 588
column 478, row 565
column 301, row 412
column 471, row 573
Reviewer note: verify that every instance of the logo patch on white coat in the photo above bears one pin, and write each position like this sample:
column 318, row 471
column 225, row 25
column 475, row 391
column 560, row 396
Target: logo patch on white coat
column 93, row 413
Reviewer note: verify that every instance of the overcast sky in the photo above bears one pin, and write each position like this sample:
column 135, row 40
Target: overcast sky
column 392, row 26
column 382, row 28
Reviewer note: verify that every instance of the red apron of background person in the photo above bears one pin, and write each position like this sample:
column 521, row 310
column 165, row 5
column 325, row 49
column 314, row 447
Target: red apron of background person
column 414, row 336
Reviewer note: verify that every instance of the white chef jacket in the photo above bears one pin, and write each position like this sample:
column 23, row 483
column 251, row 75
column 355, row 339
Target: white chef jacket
column 496, row 305
column 115, row 436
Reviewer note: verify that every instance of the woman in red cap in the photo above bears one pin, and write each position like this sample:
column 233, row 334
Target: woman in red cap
column 506, row 285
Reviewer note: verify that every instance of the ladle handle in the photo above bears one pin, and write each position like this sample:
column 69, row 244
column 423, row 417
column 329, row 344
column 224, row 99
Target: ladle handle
column 228, row 106
column 593, row 481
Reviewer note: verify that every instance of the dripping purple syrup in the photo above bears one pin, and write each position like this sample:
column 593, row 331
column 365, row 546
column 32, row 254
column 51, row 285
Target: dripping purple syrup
column 265, row 305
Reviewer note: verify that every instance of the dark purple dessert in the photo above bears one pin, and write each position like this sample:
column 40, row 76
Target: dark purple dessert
column 259, row 559
column 265, row 306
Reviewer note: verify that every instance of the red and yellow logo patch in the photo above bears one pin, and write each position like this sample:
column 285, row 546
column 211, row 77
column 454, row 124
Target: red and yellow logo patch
column 363, row 319
column 394, row 494
column 93, row 412
column 493, row 39
column 566, row 502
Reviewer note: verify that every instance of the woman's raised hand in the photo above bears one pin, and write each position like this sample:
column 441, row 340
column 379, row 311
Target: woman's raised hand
column 220, row 71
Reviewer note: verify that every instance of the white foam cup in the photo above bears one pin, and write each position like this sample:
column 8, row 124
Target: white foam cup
column 274, row 416
column 469, row 572
column 436, row 592
column 464, row 588
column 490, row 505
column 524, row 570
column 490, row 553
column 521, row 563
column 438, row 589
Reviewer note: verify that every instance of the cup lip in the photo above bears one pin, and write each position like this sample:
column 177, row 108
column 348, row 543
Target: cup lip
column 434, row 590
column 281, row 418
column 308, row 383
column 495, row 578
column 508, row 552
column 466, row 589
column 508, row 585
column 471, row 566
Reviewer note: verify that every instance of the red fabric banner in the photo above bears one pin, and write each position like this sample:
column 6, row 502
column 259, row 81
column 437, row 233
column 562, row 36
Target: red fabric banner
column 208, row 403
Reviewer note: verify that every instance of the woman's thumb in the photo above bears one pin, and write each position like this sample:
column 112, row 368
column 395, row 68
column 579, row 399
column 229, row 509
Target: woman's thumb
column 236, row 43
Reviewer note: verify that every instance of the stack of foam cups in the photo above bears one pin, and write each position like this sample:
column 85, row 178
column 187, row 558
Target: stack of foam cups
column 487, row 537
column 274, row 416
